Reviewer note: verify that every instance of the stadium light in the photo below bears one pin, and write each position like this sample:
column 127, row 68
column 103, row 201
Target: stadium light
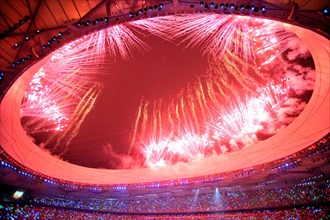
column 18, row 194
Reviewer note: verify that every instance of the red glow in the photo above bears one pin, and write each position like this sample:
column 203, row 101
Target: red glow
column 220, row 111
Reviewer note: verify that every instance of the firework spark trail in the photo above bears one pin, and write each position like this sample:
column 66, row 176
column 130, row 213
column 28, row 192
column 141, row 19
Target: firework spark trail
column 85, row 105
column 158, row 26
column 38, row 103
column 195, row 120
column 171, row 118
column 240, row 119
column 123, row 41
column 88, row 106
column 201, row 100
column 238, row 38
column 274, row 44
column 154, row 115
column 136, row 123
column 247, row 114
column 213, row 33
column 187, row 148
column 145, row 119
column 233, row 46
column 65, row 89
column 190, row 110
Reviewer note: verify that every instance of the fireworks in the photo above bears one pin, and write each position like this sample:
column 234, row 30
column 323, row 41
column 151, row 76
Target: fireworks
column 234, row 41
column 38, row 102
column 220, row 111
column 65, row 89
column 197, row 133
column 226, row 106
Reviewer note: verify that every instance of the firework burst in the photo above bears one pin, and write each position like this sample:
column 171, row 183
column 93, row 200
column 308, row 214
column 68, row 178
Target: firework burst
column 220, row 111
column 224, row 106
column 65, row 89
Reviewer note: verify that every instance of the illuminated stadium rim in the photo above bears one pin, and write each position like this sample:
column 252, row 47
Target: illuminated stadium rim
column 310, row 126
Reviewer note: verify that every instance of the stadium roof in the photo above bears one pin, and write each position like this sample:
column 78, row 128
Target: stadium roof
column 25, row 25
column 52, row 17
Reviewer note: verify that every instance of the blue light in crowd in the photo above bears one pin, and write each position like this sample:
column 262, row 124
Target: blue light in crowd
column 325, row 11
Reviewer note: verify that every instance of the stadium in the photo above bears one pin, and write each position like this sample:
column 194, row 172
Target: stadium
column 164, row 109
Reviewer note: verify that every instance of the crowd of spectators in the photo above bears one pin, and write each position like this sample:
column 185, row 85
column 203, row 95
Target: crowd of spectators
column 27, row 212
column 196, row 201
column 307, row 199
